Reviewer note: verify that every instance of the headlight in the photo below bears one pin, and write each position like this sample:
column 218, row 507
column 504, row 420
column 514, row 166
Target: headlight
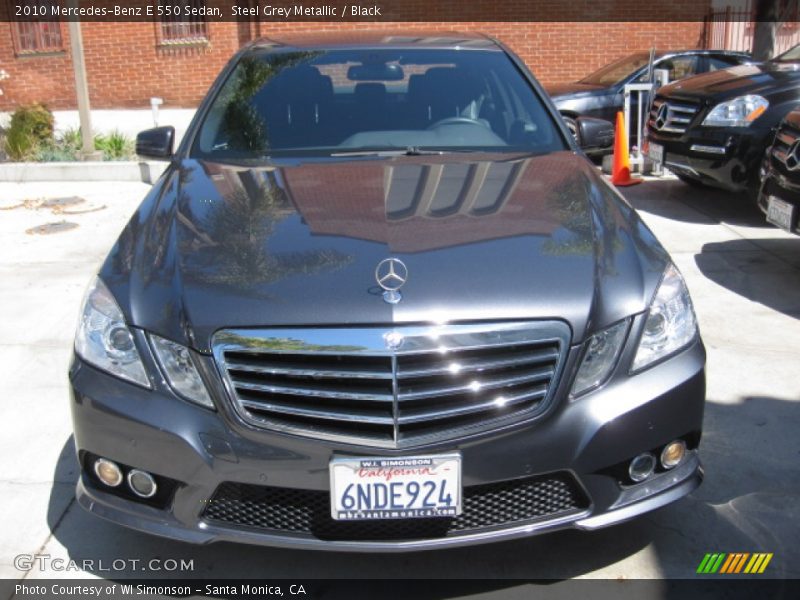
column 599, row 357
column 671, row 324
column 177, row 364
column 739, row 112
column 104, row 340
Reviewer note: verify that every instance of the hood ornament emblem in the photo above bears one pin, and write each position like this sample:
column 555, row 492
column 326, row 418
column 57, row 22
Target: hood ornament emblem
column 662, row 116
column 792, row 160
column 394, row 340
column 391, row 274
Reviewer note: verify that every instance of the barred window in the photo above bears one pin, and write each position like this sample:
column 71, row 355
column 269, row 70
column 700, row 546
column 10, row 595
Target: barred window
column 36, row 36
column 180, row 23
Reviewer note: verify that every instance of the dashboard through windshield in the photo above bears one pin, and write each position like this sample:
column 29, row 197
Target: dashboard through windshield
column 323, row 102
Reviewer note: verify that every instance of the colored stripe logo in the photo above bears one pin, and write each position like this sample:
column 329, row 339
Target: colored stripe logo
column 734, row 562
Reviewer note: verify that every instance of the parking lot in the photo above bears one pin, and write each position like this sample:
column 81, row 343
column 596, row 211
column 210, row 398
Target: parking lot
column 745, row 280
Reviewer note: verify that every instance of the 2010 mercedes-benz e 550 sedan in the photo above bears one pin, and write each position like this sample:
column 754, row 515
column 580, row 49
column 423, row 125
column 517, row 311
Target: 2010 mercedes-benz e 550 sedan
column 380, row 300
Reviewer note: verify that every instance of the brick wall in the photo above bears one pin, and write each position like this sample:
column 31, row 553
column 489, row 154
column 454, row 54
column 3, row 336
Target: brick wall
column 126, row 65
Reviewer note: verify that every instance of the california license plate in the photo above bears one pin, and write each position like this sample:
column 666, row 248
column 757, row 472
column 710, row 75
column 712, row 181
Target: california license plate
column 780, row 213
column 395, row 488
column 655, row 152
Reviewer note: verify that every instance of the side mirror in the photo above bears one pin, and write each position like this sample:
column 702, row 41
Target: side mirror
column 156, row 143
column 594, row 133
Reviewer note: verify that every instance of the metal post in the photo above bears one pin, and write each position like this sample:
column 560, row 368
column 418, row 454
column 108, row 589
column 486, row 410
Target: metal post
column 641, row 89
column 727, row 31
column 81, row 87
column 627, row 111
column 639, row 126
column 154, row 104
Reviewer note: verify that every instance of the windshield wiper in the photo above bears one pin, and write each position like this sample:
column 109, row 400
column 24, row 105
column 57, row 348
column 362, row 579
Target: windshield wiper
column 407, row 151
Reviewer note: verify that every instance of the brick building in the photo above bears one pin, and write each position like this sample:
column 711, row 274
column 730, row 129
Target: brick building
column 129, row 62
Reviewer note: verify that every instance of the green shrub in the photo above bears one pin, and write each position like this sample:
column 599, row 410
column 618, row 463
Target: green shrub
column 114, row 146
column 31, row 127
column 36, row 142
column 71, row 139
column 56, row 153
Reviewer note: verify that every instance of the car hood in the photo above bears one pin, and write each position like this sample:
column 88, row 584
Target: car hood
column 763, row 79
column 484, row 237
column 575, row 90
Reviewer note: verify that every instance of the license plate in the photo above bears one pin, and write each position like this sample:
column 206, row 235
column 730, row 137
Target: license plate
column 395, row 488
column 655, row 152
column 780, row 213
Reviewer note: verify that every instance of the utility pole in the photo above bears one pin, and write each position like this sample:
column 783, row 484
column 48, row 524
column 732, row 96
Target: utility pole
column 81, row 87
column 768, row 18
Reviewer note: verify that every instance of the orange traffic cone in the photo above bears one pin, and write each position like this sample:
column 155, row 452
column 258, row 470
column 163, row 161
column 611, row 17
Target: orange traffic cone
column 621, row 171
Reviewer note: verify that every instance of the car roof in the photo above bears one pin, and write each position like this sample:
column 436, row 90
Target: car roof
column 377, row 39
column 701, row 52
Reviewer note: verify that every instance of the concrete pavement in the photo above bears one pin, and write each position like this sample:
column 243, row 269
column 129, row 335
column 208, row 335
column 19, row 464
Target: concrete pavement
column 745, row 280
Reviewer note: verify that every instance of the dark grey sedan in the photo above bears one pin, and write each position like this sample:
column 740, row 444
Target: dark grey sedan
column 381, row 301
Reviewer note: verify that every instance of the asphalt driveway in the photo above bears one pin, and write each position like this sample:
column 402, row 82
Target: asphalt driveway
column 745, row 280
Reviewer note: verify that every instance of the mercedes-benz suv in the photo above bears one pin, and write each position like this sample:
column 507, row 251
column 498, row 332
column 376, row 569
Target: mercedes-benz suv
column 714, row 128
column 380, row 300
column 779, row 196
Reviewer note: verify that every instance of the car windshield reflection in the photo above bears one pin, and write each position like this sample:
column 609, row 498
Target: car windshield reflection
column 327, row 102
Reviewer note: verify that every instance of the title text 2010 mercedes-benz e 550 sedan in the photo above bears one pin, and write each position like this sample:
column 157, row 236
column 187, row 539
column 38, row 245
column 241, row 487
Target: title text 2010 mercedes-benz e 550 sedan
column 380, row 300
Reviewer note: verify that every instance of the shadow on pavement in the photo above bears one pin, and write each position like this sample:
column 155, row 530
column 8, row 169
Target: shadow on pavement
column 676, row 200
column 553, row 556
column 766, row 271
column 746, row 504
column 748, row 501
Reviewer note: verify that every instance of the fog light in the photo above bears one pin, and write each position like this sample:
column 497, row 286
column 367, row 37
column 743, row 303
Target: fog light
column 107, row 472
column 642, row 467
column 673, row 453
column 142, row 483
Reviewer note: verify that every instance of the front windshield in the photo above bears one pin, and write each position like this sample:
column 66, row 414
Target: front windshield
column 619, row 70
column 344, row 101
column 791, row 55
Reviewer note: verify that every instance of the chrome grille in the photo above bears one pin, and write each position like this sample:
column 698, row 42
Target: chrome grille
column 349, row 385
column 785, row 138
column 674, row 119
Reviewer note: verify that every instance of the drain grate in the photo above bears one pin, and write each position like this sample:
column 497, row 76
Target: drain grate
column 49, row 228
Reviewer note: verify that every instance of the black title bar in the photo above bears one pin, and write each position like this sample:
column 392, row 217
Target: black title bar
column 380, row 11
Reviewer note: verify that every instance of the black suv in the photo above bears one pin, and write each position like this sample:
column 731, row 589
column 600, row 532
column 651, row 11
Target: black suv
column 780, row 190
column 600, row 94
column 714, row 128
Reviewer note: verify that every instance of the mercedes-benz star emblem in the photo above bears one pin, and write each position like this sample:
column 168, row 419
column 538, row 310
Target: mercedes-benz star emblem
column 793, row 156
column 661, row 116
column 393, row 340
column 391, row 274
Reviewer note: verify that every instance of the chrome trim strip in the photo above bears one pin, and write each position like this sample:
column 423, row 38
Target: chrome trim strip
column 491, row 384
column 479, row 365
column 707, row 149
column 323, row 373
column 313, row 393
column 317, row 414
column 682, row 108
column 786, row 138
column 469, row 408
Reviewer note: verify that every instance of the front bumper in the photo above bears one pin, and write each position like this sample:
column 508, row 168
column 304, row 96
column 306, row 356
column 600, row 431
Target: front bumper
column 728, row 158
column 589, row 439
column 783, row 186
